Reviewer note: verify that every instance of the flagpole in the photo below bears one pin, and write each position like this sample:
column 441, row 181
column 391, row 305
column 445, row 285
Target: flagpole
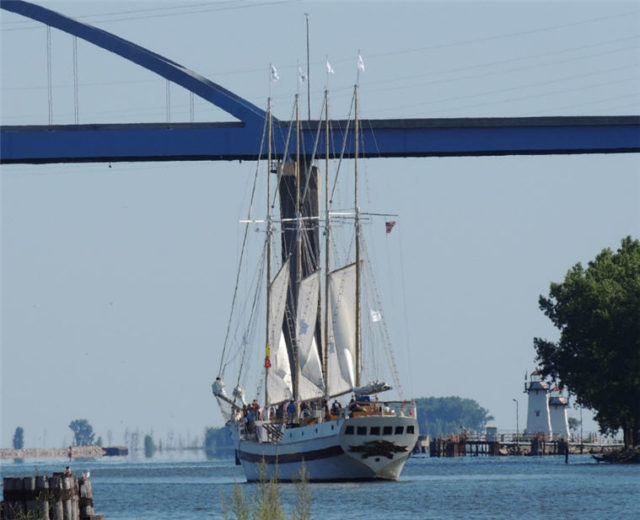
column 306, row 15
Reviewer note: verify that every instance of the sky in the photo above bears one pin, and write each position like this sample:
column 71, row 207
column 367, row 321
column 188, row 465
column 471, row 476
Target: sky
column 117, row 279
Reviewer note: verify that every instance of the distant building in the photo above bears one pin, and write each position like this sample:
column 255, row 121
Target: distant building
column 538, row 419
column 558, row 412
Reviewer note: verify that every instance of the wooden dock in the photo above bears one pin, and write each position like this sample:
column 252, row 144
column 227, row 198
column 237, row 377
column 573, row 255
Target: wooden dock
column 59, row 497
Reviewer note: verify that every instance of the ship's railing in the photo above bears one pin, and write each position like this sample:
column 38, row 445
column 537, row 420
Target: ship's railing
column 380, row 407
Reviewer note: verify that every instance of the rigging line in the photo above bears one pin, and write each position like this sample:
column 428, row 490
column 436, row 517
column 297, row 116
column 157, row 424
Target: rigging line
column 313, row 155
column 501, row 72
column 504, row 35
column 344, row 146
column 484, row 65
column 104, row 19
column 244, row 243
column 251, row 324
column 385, row 330
column 249, row 331
column 405, row 312
column 285, row 156
column 518, row 98
column 49, row 75
column 76, row 111
column 531, row 96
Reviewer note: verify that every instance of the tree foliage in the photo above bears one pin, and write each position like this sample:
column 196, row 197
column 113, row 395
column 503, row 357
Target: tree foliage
column 597, row 357
column 149, row 446
column 18, row 438
column 82, row 432
column 218, row 442
column 448, row 415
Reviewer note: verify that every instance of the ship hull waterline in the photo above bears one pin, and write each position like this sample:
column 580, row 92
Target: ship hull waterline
column 339, row 450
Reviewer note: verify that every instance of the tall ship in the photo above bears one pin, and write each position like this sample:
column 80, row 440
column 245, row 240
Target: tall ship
column 321, row 409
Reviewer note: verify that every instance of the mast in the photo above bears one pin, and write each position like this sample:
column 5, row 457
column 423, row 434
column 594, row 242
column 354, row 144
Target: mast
column 327, row 264
column 298, row 255
column 269, row 245
column 357, row 210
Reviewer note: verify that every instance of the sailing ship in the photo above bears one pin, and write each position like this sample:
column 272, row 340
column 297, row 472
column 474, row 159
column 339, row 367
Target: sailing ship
column 314, row 342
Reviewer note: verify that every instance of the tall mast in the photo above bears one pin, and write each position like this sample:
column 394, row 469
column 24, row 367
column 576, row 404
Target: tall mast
column 357, row 210
column 308, row 72
column 298, row 254
column 269, row 237
column 327, row 264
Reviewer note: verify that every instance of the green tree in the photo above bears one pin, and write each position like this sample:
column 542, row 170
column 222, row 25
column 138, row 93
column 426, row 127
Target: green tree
column 597, row 357
column 448, row 415
column 82, row 432
column 18, row 438
column 149, row 446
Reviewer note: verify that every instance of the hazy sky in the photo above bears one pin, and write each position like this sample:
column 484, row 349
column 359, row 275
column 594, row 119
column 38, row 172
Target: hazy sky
column 116, row 280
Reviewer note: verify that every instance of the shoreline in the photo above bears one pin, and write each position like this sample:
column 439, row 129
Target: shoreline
column 79, row 452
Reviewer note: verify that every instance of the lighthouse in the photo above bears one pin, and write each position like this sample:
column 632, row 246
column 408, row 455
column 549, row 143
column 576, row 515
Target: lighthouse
column 558, row 412
column 538, row 420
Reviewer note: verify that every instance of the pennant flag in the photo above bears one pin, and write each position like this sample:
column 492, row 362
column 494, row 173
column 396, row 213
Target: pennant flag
column 389, row 225
column 274, row 73
column 267, row 363
column 360, row 63
column 375, row 316
column 302, row 76
column 330, row 68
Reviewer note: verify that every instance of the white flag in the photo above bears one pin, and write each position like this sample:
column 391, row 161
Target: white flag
column 330, row 68
column 375, row 316
column 274, row 73
column 302, row 76
column 360, row 63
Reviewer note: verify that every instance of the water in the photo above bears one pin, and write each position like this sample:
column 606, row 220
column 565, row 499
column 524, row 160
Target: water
column 187, row 486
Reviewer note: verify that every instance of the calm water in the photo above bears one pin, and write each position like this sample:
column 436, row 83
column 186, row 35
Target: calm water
column 187, row 486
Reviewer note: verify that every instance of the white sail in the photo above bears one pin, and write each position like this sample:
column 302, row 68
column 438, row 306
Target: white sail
column 311, row 384
column 279, row 385
column 341, row 343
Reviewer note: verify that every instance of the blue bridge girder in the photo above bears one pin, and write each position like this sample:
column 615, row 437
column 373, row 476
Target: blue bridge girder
column 241, row 140
column 379, row 138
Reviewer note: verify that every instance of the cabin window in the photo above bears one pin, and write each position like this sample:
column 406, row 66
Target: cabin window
column 537, row 413
column 375, row 430
column 399, row 430
column 410, row 429
column 362, row 430
column 348, row 430
column 387, row 430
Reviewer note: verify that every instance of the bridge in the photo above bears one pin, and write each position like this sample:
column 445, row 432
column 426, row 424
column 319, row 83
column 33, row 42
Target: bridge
column 240, row 139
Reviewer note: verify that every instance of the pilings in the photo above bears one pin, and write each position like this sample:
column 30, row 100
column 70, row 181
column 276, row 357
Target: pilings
column 59, row 497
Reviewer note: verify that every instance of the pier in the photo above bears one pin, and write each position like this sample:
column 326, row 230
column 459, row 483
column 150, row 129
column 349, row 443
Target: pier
column 509, row 444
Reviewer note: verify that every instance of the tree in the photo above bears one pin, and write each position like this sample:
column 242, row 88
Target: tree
column 448, row 415
column 597, row 357
column 149, row 446
column 218, row 442
column 18, row 438
column 82, row 432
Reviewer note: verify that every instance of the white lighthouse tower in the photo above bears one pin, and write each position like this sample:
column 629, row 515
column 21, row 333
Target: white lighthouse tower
column 538, row 420
column 558, row 412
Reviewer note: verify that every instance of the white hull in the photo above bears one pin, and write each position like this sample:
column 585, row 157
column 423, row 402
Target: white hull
column 342, row 449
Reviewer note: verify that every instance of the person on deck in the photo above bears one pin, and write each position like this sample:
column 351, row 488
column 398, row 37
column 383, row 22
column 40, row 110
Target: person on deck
column 291, row 411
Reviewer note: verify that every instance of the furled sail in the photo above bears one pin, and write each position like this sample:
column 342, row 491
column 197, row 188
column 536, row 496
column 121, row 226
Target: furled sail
column 310, row 384
column 279, row 386
column 341, row 343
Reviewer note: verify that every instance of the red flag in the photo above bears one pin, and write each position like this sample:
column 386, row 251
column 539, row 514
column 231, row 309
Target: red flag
column 267, row 362
column 389, row 225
